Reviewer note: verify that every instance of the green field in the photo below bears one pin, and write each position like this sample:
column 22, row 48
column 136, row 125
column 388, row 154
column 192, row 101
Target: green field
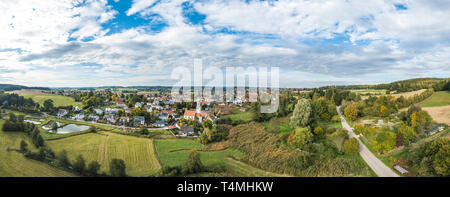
column 441, row 98
column 14, row 164
column 174, row 152
column 239, row 116
column 138, row 153
column 58, row 100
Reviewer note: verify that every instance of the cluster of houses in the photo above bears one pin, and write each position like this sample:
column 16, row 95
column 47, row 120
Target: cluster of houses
column 163, row 108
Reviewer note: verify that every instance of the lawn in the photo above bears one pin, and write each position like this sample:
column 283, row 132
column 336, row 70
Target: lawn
column 441, row 98
column 58, row 100
column 14, row 164
column 239, row 116
column 138, row 153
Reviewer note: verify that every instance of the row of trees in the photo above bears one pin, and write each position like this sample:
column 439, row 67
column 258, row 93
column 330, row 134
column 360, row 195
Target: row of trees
column 16, row 102
column 17, row 124
column 382, row 106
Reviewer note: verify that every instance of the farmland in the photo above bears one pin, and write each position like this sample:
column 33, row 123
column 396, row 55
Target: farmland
column 14, row 164
column 138, row 153
column 441, row 98
column 39, row 97
column 239, row 116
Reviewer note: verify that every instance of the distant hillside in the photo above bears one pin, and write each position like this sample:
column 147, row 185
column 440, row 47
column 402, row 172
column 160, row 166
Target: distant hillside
column 11, row 87
column 401, row 86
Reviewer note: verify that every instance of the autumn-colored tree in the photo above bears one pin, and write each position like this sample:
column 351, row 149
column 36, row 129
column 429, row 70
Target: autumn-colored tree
column 351, row 111
column 408, row 134
column 319, row 130
column 420, row 120
column 351, row 146
column 359, row 128
column 300, row 137
column 385, row 141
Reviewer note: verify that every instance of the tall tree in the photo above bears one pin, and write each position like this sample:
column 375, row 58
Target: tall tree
column 302, row 115
column 117, row 168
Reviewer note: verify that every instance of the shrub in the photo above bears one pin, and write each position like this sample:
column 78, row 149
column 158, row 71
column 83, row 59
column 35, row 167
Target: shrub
column 351, row 146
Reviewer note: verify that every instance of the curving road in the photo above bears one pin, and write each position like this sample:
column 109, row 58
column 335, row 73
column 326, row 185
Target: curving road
column 374, row 163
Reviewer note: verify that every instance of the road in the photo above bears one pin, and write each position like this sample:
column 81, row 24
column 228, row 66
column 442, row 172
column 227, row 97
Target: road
column 374, row 163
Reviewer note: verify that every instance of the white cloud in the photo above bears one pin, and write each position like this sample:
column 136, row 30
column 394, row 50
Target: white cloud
column 394, row 41
column 139, row 5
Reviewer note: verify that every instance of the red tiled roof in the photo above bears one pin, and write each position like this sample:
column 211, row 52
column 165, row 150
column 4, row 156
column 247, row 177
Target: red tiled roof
column 189, row 113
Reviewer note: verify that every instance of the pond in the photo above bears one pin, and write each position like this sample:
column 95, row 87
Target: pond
column 32, row 121
column 70, row 128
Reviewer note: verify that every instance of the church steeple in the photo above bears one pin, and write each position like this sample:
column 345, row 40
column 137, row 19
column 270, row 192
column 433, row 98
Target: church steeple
column 199, row 107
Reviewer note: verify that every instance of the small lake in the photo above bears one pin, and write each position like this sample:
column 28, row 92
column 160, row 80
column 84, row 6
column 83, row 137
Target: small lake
column 70, row 128
column 32, row 121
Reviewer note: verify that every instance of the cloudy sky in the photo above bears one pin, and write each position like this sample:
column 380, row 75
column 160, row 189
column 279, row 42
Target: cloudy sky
column 74, row 43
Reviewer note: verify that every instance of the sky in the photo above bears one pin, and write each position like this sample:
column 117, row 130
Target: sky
column 80, row 43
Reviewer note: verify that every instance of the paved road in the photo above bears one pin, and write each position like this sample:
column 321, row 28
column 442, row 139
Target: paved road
column 377, row 166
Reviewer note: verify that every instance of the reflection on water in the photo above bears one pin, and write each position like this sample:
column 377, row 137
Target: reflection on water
column 70, row 128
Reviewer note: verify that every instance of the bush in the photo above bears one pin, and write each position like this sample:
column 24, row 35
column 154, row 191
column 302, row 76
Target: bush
column 351, row 146
column 300, row 137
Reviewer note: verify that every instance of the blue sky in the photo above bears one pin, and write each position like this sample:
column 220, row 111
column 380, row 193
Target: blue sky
column 76, row 43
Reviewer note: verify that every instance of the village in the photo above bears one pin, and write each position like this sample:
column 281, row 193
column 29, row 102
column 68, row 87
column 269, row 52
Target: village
column 160, row 111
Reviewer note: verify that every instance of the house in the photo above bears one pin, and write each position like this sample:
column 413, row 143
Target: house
column 62, row 112
column 111, row 110
column 77, row 108
column 139, row 120
column 160, row 123
column 163, row 116
column 138, row 105
column 189, row 114
column 94, row 117
column 437, row 129
column 127, row 110
column 120, row 104
column 110, row 118
column 124, row 119
column 79, row 116
column 186, row 130
column 98, row 111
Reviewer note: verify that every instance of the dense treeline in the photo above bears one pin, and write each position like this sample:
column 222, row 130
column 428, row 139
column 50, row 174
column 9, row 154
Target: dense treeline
column 10, row 87
column 431, row 158
column 381, row 106
column 442, row 85
column 17, row 124
column 16, row 102
column 399, row 86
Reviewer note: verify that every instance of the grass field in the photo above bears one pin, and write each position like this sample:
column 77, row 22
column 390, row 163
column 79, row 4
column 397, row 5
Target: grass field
column 138, row 153
column 441, row 98
column 174, row 152
column 240, row 116
column 58, row 100
column 14, row 164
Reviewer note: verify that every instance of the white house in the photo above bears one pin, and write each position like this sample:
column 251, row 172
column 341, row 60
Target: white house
column 79, row 116
column 98, row 111
column 62, row 112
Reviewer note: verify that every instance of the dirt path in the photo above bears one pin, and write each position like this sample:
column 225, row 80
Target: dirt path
column 104, row 150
